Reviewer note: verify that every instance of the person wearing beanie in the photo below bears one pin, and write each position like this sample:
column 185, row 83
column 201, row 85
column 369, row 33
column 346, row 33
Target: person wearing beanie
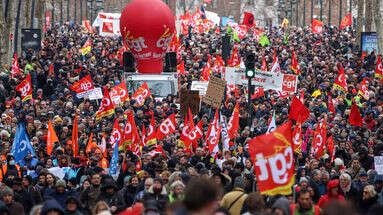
column 60, row 194
column 7, row 196
column 51, row 206
column 233, row 201
column 110, row 195
column 281, row 206
column 157, row 192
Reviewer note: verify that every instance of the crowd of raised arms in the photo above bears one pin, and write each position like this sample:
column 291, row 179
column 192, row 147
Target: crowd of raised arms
column 168, row 176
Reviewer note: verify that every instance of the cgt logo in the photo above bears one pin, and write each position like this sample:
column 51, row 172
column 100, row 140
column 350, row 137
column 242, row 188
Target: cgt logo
column 163, row 43
column 167, row 126
column 137, row 45
column 277, row 165
column 25, row 89
column 86, row 86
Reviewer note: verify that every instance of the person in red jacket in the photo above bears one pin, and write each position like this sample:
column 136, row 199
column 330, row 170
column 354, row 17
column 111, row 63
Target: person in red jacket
column 333, row 193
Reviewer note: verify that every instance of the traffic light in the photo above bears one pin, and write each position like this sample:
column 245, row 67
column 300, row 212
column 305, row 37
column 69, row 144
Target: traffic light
column 250, row 65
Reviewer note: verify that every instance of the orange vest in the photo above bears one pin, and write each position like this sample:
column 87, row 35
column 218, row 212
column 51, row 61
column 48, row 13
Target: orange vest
column 4, row 169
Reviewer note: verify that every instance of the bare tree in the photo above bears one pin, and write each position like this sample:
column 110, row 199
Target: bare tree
column 368, row 15
column 27, row 10
column 3, row 36
column 378, row 24
column 359, row 20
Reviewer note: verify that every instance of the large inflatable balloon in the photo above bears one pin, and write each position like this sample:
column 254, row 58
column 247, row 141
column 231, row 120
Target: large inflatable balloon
column 147, row 27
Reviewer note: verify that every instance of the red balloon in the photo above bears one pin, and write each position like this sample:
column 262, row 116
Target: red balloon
column 147, row 27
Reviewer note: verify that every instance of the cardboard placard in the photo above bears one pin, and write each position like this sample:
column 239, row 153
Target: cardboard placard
column 215, row 92
column 189, row 99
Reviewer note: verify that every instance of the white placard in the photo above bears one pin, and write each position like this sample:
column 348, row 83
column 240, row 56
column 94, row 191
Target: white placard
column 378, row 161
column 200, row 86
column 96, row 93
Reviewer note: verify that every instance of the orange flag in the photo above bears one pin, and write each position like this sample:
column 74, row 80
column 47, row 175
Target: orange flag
column 346, row 21
column 264, row 64
column 90, row 144
column 51, row 139
column 75, row 136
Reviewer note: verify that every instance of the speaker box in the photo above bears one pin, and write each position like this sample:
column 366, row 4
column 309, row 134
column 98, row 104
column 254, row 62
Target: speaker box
column 128, row 61
column 170, row 62
column 226, row 47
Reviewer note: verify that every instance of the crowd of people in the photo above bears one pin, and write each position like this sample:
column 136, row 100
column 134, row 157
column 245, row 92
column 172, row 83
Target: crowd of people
column 180, row 181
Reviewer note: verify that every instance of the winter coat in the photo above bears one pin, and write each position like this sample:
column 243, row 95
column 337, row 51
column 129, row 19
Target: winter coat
column 15, row 208
column 232, row 196
column 160, row 198
column 89, row 197
column 367, row 204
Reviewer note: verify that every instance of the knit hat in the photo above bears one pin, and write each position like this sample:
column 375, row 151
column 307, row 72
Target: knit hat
column 60, row 183
column 6, row 191
column 238, row 182
column 303, row 179
column 283, row 204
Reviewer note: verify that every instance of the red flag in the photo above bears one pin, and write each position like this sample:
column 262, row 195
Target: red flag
column 346, row 21
column 131, row 137
column 379, row 68
column 264, row 64
column 248, row 19
column 75, row 136
column 119, row 93
column 51, row 138
column 181, row 68
column 213, row 135
column 167, row 127
column 88, row 26
column 25, row 88
column 294, row 64
column 258, row 92
column 233, row 125
column 232, row 88
column 330, row 104
column 15, row 65
column 320, row 136
column 206, row 71
column 106, row 107
column 234, row 60
column 355, row 118
column 141, row 94
column 317, row 26
column 331, row 148
column 273, row 160
column 186, row 135
column 363, row 89
column 297, row 137
column 151, row 134
column 51, row 70
column 116, row 135
column 340, row 81
column 82, row 86
column 298, row 111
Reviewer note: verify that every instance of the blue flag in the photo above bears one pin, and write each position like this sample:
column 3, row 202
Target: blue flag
column 21, row 145
column 114, row 161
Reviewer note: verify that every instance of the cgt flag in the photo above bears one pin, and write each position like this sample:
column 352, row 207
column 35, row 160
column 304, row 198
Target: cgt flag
column 272, row 155
column 25, row 88
column 317, row 26
column 141, row 94
column 346, row 21
column 83, row 86
column 106, row 107
column 248, row 19
column 167, row 127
